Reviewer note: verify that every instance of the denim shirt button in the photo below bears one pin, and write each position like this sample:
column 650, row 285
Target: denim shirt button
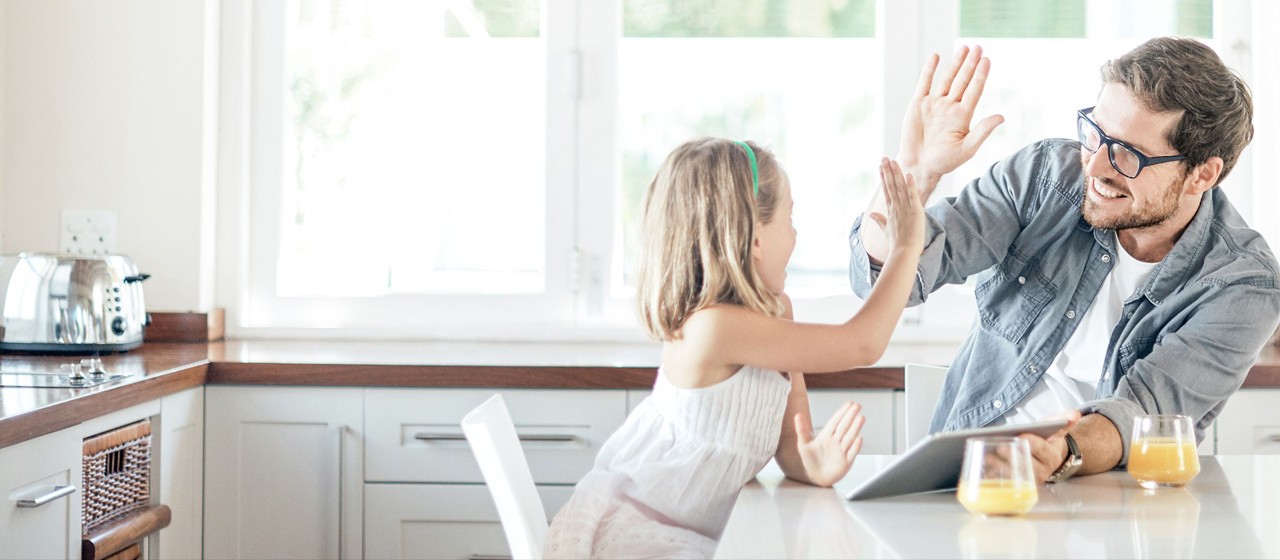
column 996, row 403
column 1034, row 369
column 1022, row 279
column 1106, row 258
column 1071, row 314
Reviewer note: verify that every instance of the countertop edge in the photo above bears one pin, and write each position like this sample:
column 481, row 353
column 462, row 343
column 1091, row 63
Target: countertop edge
column 68, row 413
column 217, row 369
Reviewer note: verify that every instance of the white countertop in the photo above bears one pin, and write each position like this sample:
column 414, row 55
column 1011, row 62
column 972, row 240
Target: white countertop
column 1231, row 510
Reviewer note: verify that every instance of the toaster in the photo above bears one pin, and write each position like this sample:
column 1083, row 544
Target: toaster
column 71, row 304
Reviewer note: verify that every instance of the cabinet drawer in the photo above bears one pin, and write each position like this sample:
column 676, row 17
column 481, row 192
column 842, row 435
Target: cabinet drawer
column 40, row 483
column 1250, row 423
column 413, row 435
column 877, row 405
column 440, row 521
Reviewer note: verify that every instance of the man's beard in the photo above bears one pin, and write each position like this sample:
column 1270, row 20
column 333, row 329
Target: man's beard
column 1150, row 215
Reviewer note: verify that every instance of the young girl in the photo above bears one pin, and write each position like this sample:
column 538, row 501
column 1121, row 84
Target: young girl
column 717, row 236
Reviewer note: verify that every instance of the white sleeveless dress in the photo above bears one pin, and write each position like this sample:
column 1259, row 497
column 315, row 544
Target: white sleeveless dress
column 665, row 482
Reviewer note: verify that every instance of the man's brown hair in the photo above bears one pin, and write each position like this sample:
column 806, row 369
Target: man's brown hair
column 1185, row 75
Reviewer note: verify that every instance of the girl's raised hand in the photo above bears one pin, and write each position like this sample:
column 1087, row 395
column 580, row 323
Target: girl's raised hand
column 904, row 227
column 828, row 456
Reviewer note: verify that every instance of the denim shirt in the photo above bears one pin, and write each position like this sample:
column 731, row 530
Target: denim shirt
column 1185, row 340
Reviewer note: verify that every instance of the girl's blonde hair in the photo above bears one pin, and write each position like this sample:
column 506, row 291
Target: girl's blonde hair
column 700, row 215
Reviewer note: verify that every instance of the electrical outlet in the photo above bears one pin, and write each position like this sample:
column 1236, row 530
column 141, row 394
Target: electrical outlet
column 88, row 232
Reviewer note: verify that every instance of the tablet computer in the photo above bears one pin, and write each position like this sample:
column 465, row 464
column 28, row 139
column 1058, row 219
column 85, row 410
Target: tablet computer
column 934, row 463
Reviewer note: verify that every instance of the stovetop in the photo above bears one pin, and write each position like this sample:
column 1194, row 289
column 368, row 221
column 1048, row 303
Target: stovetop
column 87, row 372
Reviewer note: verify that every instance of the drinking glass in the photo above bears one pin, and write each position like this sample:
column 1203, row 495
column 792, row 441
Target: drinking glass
column 1163, row 451
column 997, row 478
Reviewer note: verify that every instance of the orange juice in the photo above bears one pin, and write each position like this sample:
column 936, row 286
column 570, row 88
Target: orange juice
column 997, row 496
column 1163, row 461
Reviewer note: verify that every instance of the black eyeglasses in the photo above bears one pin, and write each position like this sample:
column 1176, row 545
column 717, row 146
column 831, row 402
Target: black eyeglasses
column 1126, row 159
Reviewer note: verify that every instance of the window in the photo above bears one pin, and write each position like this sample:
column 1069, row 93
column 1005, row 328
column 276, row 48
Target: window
column 474, row 168
column 733, row 69
column 395, row 116
column 1046, row 55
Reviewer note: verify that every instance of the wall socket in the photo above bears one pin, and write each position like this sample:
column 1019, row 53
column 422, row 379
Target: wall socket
column 88, row 232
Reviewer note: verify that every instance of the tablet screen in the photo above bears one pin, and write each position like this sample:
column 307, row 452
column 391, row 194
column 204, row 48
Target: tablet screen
column 934, row 463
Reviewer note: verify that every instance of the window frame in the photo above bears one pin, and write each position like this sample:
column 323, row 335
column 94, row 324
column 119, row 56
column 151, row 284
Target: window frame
column 251, row 117
column 580, row 250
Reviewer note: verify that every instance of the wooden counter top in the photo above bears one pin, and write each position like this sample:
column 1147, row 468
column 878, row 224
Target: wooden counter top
column 162, row 369
column 167, row 368
column 523, row 365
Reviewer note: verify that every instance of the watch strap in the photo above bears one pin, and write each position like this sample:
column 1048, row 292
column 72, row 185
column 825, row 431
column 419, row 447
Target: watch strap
column 1070, row 464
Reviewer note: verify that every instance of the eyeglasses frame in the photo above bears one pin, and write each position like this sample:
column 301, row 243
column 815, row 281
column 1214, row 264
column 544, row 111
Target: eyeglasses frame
column 1143, row 159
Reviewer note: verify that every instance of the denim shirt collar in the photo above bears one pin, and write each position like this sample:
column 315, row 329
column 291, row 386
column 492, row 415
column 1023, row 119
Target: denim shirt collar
column 1173, row 269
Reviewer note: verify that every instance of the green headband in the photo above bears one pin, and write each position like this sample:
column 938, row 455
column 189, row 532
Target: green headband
column 755, row 169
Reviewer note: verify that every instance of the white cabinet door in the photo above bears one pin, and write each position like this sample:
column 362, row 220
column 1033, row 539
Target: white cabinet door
column 1250, row 423
column 283, row 474
column 178, row 453
column 877, row 407
column 426, row 521
column 413, row 435
column 45, row 471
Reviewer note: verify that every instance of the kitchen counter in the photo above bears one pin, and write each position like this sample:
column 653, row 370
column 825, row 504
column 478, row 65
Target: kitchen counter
column 166, row 368
column 158, row 370
column 471, row 364
column 1226, row 512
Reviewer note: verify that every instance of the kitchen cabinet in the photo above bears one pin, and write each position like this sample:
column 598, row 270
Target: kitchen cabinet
column 878, row 405
column 283, row 472
column 424, row 495
column 52, row 464
column 178, row 452
column 1250, row 423
column 40, row 479
column 445, row 521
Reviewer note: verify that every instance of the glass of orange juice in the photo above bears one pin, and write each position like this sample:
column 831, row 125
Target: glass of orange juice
column 1163, row 451
column 996, row 477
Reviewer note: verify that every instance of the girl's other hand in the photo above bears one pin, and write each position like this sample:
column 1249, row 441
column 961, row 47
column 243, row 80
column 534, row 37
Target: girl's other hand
column 904, row 226
column 829, row 455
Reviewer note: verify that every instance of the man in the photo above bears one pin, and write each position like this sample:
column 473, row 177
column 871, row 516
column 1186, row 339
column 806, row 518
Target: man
column 1114, row 279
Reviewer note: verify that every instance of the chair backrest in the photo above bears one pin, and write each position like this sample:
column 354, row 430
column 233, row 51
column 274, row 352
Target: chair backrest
column 924, row 384
column 492, row 436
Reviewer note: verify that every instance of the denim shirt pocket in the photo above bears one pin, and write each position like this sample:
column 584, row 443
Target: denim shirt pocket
column 1011, row 299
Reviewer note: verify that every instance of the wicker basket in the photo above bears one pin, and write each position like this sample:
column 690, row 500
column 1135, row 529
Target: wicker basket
column 117, row 474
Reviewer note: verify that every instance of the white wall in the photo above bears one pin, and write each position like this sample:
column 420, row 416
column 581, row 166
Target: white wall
column 111, row 106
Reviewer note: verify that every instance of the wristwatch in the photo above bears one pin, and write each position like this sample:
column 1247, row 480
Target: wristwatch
column 1069, row 465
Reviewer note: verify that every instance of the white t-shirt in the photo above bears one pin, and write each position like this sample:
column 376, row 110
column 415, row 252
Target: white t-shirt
column 1072, row 378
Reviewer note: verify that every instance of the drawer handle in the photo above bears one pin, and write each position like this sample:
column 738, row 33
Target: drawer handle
column 553, row 438
column 1274, row 437
column 58, row 492
column 487, row 557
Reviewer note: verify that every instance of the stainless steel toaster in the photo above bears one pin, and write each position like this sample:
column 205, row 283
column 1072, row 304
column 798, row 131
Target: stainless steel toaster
column 71, row 304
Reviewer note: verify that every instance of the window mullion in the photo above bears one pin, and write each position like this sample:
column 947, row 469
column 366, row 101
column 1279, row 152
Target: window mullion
column 596, row 165
column 561, row 28
column 1232, row 30
column 910, row 31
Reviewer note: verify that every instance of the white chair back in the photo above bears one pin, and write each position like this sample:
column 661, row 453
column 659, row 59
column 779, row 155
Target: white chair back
column 492, row 436
column 924, row 384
